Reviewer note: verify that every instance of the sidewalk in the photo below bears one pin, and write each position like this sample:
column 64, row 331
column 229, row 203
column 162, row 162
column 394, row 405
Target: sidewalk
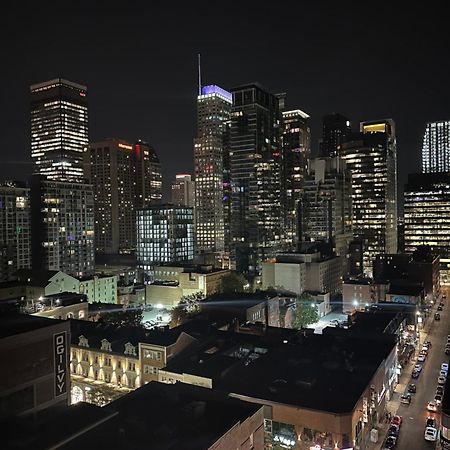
column 405, row 378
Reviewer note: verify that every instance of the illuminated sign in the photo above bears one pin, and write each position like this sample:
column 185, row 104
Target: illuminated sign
column 60, row 356
column 125, row 146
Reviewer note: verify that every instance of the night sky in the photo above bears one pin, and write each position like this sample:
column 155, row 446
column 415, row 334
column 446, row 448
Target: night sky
column 140, row 66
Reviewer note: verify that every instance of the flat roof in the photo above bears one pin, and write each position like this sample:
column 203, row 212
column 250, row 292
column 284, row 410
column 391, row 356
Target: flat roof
column 12, row 324
column 307, row 370
column 181, row 416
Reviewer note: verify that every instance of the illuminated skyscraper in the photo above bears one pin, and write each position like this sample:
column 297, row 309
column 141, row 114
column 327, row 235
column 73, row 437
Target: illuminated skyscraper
column 371, row 156
column 296, row 146
column 165, row 234
column 326, row 209
column 213, row 111
column 59, row 129
column 336, row 129
column 427, row 216
column 124, row 177
column 436, row 147
column 183, row 190
column 255, row 168
column 15, row 229
column 62, row 224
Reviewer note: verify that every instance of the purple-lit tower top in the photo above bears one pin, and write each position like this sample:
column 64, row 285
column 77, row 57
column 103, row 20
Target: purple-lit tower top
column 213, row 89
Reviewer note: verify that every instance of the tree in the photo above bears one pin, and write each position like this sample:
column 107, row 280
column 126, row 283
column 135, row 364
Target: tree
column 124, row 317
column 233, row 282
column 179, row 315
column 305, row 312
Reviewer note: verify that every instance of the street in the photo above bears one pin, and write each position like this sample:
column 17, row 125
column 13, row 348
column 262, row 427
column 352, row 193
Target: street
column 415, row 414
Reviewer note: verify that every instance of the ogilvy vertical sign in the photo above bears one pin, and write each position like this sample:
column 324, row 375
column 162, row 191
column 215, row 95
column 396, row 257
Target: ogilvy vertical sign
column 60, row 352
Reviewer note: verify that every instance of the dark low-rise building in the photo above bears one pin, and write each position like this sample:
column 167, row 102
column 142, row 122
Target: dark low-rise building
column 323, row 390
column 35, row 354
column 156, row 416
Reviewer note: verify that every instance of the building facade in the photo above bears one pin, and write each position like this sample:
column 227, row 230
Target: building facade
column 59, row 129
column 255, row 169
column 164, row 234
column 116, row 361
column 299, row 272
column 168, row 284
column 62, row 219
column 183, row 190
column 326, row 208
column 35, row 354
column 15, row 230
column 436, row 147
column 427, row 216
column 124, row 177
column 296, row 147
column 336, row 129
column 213, row 111
column 371, row 156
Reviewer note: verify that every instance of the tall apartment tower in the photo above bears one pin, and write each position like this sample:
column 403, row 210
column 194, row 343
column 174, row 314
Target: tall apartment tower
column 59, row 129
column 336, row 129
column 255, row 168
column 165, row 234
column 62, row 223
column 213, row 111
column 183, row 190
column 124, row 177
column 296, row 150
column 427, row 216
column 371, row 156
column 148, row 175
column 15, row 229
column 436, row 147
column 326, row 206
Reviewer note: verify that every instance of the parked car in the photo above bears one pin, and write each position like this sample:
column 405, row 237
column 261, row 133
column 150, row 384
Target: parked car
column 438, row 399
column 397, row 420
column 422, row 357
column 415, row 374
column 412, row 388
column 431, row 422
column 441, row 379
column 432, row 406
column 390, row 443
column 418, row 367
column 444, row 366
column 437, row 316
column 440, row 390
column 393, row 430
column 430, row 434
column 439, row 308
column 405, row 399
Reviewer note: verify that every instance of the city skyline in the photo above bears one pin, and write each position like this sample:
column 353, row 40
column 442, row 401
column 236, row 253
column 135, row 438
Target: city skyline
column 319, row 63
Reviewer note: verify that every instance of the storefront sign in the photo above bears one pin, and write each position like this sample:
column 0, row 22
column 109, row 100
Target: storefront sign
column 59, row 346
column 365, row 412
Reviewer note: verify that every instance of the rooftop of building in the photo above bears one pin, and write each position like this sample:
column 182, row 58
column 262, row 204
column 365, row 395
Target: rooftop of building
column 65, row 422
column 358, row 281
column 12, row 324
column 198, row 327
column 192, row 268
column 35, row 277
column 118, row 336
column 182, row 416
column 405, row 287
column 376, row 321
column 307, row 370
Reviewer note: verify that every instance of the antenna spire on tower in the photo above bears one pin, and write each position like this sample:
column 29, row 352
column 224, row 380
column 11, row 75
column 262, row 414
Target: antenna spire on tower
column 199, row 76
